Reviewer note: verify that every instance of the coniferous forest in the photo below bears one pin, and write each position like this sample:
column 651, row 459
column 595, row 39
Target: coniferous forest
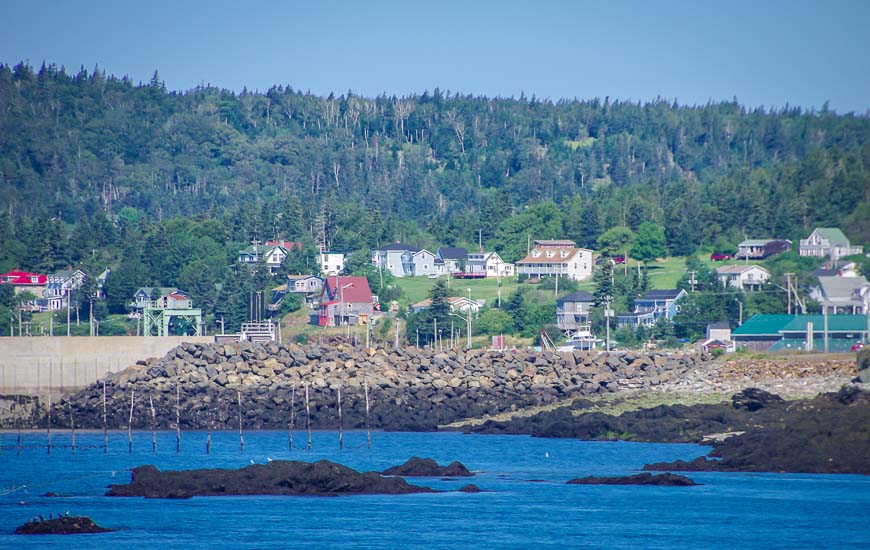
column 163, row 186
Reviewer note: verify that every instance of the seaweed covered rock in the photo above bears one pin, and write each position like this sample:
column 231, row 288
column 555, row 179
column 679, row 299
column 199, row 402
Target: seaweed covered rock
column 427, row 467
column 671, row 480
column 753, row 399
column 829, row 434
column 279, row 477
column 64, row 525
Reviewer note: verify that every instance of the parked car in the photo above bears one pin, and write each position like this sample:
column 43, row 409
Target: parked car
column 619, row 259
column 719, row 256
column 857, row 346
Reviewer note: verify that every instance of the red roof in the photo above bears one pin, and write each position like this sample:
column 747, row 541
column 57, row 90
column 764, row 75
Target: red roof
column 23, row 278
column 288, row 245
column 353, row 289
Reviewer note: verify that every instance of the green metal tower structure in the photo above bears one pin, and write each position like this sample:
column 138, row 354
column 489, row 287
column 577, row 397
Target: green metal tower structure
column 158, row 318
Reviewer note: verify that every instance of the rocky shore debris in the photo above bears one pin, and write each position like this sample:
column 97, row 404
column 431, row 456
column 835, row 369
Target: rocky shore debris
column 63, row 525
column 427, row 467
column 863, row 363
column 828, row 434
column 279, row 477
column 410, row 389
column 668, row 479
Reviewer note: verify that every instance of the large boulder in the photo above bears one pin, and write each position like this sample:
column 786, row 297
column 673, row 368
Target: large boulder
column 279, row 477
column 427, row 467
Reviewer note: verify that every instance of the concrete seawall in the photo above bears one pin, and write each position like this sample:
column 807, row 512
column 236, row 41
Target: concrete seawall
column 32, row 365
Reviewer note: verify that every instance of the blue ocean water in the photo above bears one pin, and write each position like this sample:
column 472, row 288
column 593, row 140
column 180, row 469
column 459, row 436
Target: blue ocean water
column 526, row 503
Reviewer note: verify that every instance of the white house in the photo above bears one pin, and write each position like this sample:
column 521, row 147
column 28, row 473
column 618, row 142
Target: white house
column 331, row 263
column 488, row 263
column 743, row 277
column 557, row 257
column 395, row 258
column 453, row 258
column 828, row 241
column 273, row 253
column 59, row 285
column 422, row 264
column 842, row 294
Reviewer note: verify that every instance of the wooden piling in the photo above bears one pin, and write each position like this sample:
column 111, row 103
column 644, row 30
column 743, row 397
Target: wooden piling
column 18, row 420
column 292, row 414
column 178, row 418
column 105, row 425
column 368, row 430
column 153, row 425
column 72, row 427
column 340, row 427
column 308, row 416
column 241, row 430
column 130, row 423
column 48, row 428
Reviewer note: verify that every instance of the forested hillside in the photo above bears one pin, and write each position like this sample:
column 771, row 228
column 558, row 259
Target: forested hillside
column 164, row 188
column 435, row 168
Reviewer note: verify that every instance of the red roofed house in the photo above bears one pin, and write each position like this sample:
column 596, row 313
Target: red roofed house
column 345, row 300
column 24, row 281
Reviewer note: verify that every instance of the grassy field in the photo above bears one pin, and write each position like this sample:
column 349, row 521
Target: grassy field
column 416, row 289
column 663, row 274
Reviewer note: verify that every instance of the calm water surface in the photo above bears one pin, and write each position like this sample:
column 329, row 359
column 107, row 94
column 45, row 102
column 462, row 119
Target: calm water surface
column 526, row 503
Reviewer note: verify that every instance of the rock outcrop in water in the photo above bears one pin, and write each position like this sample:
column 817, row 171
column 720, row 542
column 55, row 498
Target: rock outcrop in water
column 410, row 389
column 64, row 525
column 279, row 477
column 427, row 467
column 829, row 434
column 671, row 480
column 756, row 431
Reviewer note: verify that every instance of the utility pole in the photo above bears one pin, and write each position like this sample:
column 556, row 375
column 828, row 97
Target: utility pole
column 468, row 314
column 435, row 331
column 825, row 310
column 607, row 319
column 788, row 290
column 692, row 280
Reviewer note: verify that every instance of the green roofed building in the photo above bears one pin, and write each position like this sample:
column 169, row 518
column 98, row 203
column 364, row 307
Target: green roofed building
column 789, row 332
column 828, row 242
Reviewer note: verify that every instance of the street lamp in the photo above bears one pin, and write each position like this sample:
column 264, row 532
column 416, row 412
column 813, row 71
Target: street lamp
column 467, row 319
column 469, row 312
column 341, row 310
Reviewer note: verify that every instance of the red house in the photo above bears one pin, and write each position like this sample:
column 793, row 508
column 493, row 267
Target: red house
column 345, row 300
column 24, row 281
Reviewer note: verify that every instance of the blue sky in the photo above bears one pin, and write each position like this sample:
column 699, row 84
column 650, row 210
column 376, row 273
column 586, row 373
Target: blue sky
column 764, row 52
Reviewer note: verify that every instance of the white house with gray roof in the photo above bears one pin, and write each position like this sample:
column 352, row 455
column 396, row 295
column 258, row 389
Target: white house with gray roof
column 830, row 242
column 840, row 295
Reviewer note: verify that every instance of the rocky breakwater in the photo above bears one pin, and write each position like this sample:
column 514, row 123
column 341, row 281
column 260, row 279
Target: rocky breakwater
column 211, row 385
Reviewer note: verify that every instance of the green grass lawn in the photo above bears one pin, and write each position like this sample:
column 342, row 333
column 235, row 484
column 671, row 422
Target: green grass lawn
column 416, row 289
column 664, row 273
